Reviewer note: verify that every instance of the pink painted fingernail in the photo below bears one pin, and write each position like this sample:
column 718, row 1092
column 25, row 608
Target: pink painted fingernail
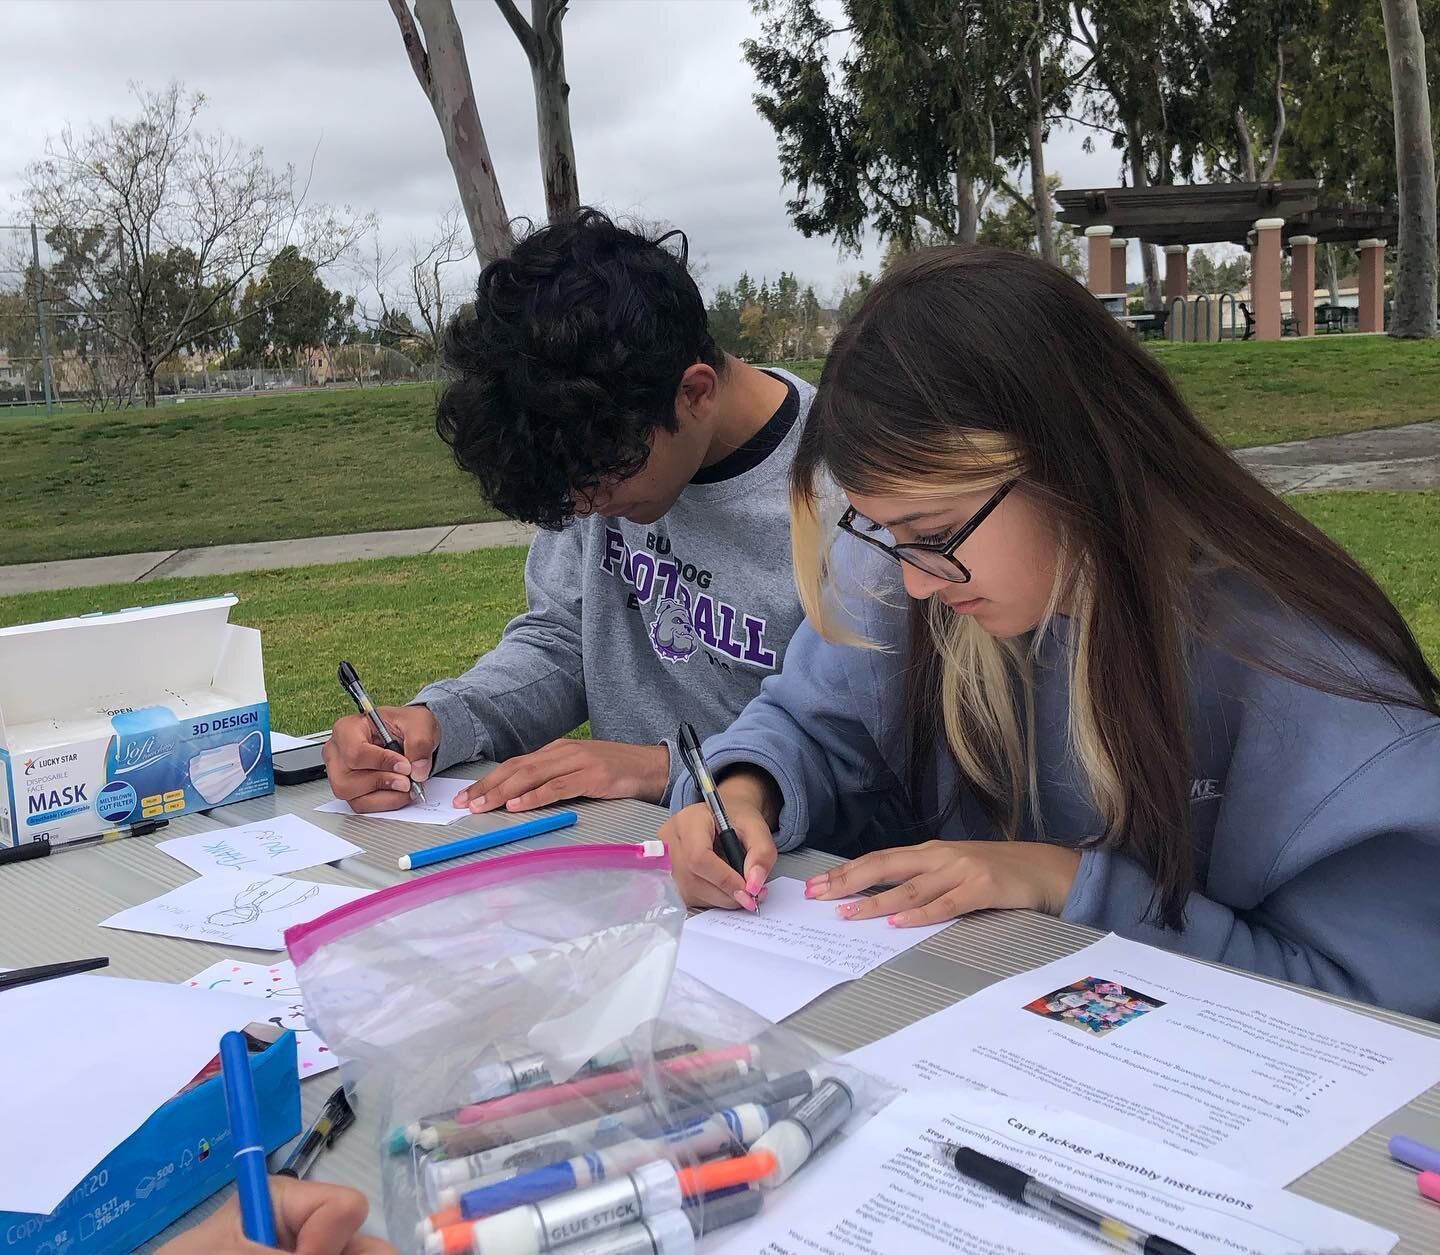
column 754, row 884
column 897, row 921
column 744, row 899
column 816, row 881
column 846, row 910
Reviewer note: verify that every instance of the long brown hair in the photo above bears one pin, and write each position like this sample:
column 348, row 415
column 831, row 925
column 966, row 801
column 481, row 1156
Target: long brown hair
column 966, row 366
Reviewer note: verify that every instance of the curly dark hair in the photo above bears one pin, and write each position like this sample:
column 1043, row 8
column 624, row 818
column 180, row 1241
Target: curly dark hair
column 568, row 362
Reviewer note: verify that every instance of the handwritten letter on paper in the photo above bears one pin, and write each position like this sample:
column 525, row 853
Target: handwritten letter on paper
column 268, row 847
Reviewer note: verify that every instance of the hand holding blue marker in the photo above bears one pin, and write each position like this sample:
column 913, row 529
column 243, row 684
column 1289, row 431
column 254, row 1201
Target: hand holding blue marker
column 257, row 1213
column 487, row 840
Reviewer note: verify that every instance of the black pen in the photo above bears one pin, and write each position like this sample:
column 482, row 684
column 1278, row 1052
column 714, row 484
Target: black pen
column 49, row 971
column 335, row 1117
column 44, row 847
column 350, row 682
column 1021, row 1187
column 730, row 845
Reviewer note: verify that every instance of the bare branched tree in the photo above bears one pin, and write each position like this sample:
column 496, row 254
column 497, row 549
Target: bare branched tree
column 435, row 287
column 438, row 60
column 157, row 225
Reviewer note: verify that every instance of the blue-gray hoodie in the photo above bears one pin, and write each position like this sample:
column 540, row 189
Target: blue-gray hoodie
column 1315, row 818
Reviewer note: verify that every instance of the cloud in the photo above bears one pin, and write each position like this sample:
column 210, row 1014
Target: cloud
column 661, row 109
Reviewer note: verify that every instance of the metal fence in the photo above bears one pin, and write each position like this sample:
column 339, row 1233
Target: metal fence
column 27, row 374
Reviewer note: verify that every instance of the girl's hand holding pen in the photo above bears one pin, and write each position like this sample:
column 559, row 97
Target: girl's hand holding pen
column 701, row 874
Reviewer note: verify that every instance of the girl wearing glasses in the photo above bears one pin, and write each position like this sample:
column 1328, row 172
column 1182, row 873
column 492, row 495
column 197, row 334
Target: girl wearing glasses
column 1112, row 677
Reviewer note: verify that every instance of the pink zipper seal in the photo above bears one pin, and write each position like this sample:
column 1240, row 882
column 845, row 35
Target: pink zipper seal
column 303, row 940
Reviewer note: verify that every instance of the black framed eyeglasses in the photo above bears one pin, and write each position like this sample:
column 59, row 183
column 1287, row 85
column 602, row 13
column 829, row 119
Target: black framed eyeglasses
column 938, row 560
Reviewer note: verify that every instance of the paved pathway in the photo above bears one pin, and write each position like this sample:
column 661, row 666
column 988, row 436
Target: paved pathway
column 264, row 555
column 1400, row 458
column 1390, row 458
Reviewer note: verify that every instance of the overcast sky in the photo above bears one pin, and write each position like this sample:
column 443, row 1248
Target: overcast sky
column 660, row 99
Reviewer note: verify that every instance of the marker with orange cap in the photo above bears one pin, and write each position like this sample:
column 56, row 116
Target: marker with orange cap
column 698, row 1139
column 650, row 1190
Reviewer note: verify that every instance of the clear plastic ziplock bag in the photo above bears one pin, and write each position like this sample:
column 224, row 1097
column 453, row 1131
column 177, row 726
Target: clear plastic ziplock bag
column 544, row 1080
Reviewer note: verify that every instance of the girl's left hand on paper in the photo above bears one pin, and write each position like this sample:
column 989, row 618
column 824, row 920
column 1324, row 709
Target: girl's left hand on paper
column 310, row 1219
column 941, row 880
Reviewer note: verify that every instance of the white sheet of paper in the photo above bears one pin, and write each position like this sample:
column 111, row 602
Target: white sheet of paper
column 277, row 986
column 1262, row 1079
column 436, row 809
column 230, row 910
column 268, row 847
column 789, row 954
column 86, row 1061
column 284, row 741
column 886, row 1189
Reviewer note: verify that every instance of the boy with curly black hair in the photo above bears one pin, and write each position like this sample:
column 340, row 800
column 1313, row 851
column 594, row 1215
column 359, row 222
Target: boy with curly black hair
column 590, row 398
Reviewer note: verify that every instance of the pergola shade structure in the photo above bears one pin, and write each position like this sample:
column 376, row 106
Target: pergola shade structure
column 1262, row 217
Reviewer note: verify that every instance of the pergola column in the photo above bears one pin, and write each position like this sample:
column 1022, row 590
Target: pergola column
column 1372, row 285
column 1177, row 272
column 1302, row 283
column 1119, row 250
column 1097, row 263
column 1265, row 278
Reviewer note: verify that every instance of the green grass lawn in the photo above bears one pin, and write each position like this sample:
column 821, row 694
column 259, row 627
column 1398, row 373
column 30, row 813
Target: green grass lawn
column 405, row 621
column 214, row 471
column 1252, row 394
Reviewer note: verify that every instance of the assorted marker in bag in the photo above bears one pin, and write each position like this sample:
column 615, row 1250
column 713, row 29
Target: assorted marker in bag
column 800, row 1134
column 525, row 1072
column 695, row 1082
column 552, row 1096
column 649, row 1191
column 448, row 1178
column 697, row 1140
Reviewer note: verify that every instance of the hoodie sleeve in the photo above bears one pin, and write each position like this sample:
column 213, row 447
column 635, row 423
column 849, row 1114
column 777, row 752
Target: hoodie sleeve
column 530, row 688
column 812, row 728
column 1344, row 900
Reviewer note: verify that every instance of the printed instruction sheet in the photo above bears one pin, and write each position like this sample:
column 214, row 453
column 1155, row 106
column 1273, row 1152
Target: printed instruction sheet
column 886, row 1189
column 1262, row 1079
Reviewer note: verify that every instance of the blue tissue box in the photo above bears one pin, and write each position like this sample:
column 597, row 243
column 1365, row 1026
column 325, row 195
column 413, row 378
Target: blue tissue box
column 175, row 1160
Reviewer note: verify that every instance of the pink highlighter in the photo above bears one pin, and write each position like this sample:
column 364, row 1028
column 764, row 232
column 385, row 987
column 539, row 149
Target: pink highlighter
column 1429, row 1185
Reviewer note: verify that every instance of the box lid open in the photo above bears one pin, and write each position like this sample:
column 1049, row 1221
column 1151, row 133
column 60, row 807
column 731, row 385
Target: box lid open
column 65, row 679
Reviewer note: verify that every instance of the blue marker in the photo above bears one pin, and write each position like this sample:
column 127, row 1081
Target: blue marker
column 698, row 1139
column 487, row 840
column 257, row 1214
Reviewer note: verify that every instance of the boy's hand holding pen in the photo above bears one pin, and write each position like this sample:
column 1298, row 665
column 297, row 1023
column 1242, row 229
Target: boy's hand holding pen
column 377, row 759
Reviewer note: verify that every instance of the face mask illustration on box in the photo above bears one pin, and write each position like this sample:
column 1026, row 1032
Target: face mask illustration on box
column 216, row 773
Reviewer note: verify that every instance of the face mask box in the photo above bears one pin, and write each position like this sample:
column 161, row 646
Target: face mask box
column 110, row 720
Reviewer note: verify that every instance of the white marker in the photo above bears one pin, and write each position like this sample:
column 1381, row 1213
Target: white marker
column 795, row 1138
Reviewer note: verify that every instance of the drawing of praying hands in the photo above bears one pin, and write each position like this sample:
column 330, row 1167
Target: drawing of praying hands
column 257, row 899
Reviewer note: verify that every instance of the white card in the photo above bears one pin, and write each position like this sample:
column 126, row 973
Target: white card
column 86, row 1061
column 437, row 808
column 268, row 847
column 232, row 910
column 277, row 986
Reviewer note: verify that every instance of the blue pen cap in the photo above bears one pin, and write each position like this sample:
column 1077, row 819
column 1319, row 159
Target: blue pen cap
column 239, row 1091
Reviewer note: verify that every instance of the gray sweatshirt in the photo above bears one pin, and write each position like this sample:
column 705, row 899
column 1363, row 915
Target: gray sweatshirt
column 638, row 627
column 1315, row 818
